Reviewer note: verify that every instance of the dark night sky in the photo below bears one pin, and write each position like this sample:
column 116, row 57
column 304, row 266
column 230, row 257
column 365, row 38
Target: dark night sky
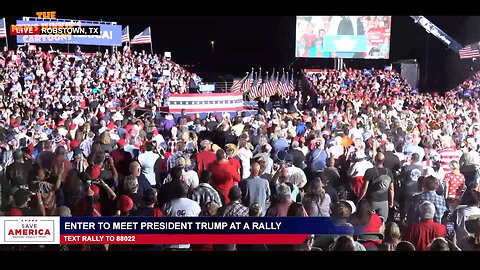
column 243, row 42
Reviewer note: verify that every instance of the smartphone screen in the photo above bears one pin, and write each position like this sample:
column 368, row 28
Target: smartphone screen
column 450, row 230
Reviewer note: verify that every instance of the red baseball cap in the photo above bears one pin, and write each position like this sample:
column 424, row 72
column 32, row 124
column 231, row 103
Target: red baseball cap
column 124, row 203
column 122, row 142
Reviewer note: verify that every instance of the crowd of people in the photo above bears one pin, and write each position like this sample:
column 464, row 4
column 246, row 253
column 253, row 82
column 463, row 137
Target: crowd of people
column 365, row 149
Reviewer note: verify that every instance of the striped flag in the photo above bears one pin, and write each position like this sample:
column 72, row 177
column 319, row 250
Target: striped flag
column 469, row 51
column 291, row 85
column 254, row 90
column 3, row 31
column 270, row 87
column 236, row 87
column 143, row 37
column 282, row 86
column 125, row 35
column 247, row 84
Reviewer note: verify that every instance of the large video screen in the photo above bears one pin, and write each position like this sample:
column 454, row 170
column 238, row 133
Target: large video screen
column 343, row 37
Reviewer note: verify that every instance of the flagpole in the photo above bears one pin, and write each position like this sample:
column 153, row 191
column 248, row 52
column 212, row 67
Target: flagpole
column 6, row 38
column 151, row 46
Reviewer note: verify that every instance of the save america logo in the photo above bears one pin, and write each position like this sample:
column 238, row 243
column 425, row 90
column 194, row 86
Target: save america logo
column 31, row 230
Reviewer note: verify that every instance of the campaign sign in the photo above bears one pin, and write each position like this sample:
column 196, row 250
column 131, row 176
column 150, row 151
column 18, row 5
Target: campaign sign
column 30, row 230
column 110, row 35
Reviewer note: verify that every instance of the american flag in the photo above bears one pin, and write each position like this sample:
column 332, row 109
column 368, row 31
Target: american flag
column 236, row 87
column 247, row 84
column 291, row 85
column 283, row 86
column 470, row 51
column 254, row 90
column 270, row 86
column 125, row 35
column 3, row 31
column 143, row 37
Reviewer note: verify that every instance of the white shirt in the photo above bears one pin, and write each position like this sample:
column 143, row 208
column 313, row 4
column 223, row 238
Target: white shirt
column 147, row 161
column 245, row 156
column 359, row 168
column 182, row 207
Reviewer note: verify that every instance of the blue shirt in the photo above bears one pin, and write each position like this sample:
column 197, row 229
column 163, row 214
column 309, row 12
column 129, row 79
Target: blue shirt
column 280, row 144
column 415, row 149
column 318, row 160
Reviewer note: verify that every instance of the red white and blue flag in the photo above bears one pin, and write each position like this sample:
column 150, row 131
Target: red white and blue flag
column 291, row 85
column 143, row 37
column 271, row 86
column 236, row 87
column 247, row 85
column 255, row 90
column 470, row 51
column 125, row 35
column 283, row 86
column 213, row 102
column 3, row 31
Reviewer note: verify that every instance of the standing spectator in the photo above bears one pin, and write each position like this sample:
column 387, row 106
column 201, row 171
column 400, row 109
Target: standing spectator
column 205, row 156
column 421, row 234
column 298, row 156
column 148, row 160
column 430, row 185
column 148, row 208
column 470, row 164
column 447, row 154
column 17, row 173
column 121, row 158
column 392, row 237
column 245, row 156
column 357, row 171
column 46, row 157
column 454, row 185
column 378, row 187
column 223, row 175
column 60, row 159
column 136, row 171
column 392, row 161
column 204, row 192
column 255, row 190
column 235, row 208
column 280, row 209
column 471, row 242
column 469, row 206
column 181, row 206
column 316, row 199
column 409, row 182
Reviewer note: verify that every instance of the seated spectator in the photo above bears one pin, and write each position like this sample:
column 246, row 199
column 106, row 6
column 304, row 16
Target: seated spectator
column 421, row 234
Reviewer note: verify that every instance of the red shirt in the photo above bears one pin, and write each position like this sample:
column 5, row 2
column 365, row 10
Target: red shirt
column 235, row 163
column 223, row 176
column 421, row 234
column 374, row 224
column 203, row 159
column 455, row 183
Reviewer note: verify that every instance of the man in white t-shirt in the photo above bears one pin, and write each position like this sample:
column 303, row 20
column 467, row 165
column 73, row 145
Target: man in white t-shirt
column 147, row 160
column 181, row 207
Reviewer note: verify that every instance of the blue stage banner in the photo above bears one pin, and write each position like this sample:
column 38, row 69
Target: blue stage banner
column 110, row 35
column 197, row 230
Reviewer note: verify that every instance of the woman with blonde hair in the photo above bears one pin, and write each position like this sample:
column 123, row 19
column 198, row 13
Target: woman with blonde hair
column 454, row 185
